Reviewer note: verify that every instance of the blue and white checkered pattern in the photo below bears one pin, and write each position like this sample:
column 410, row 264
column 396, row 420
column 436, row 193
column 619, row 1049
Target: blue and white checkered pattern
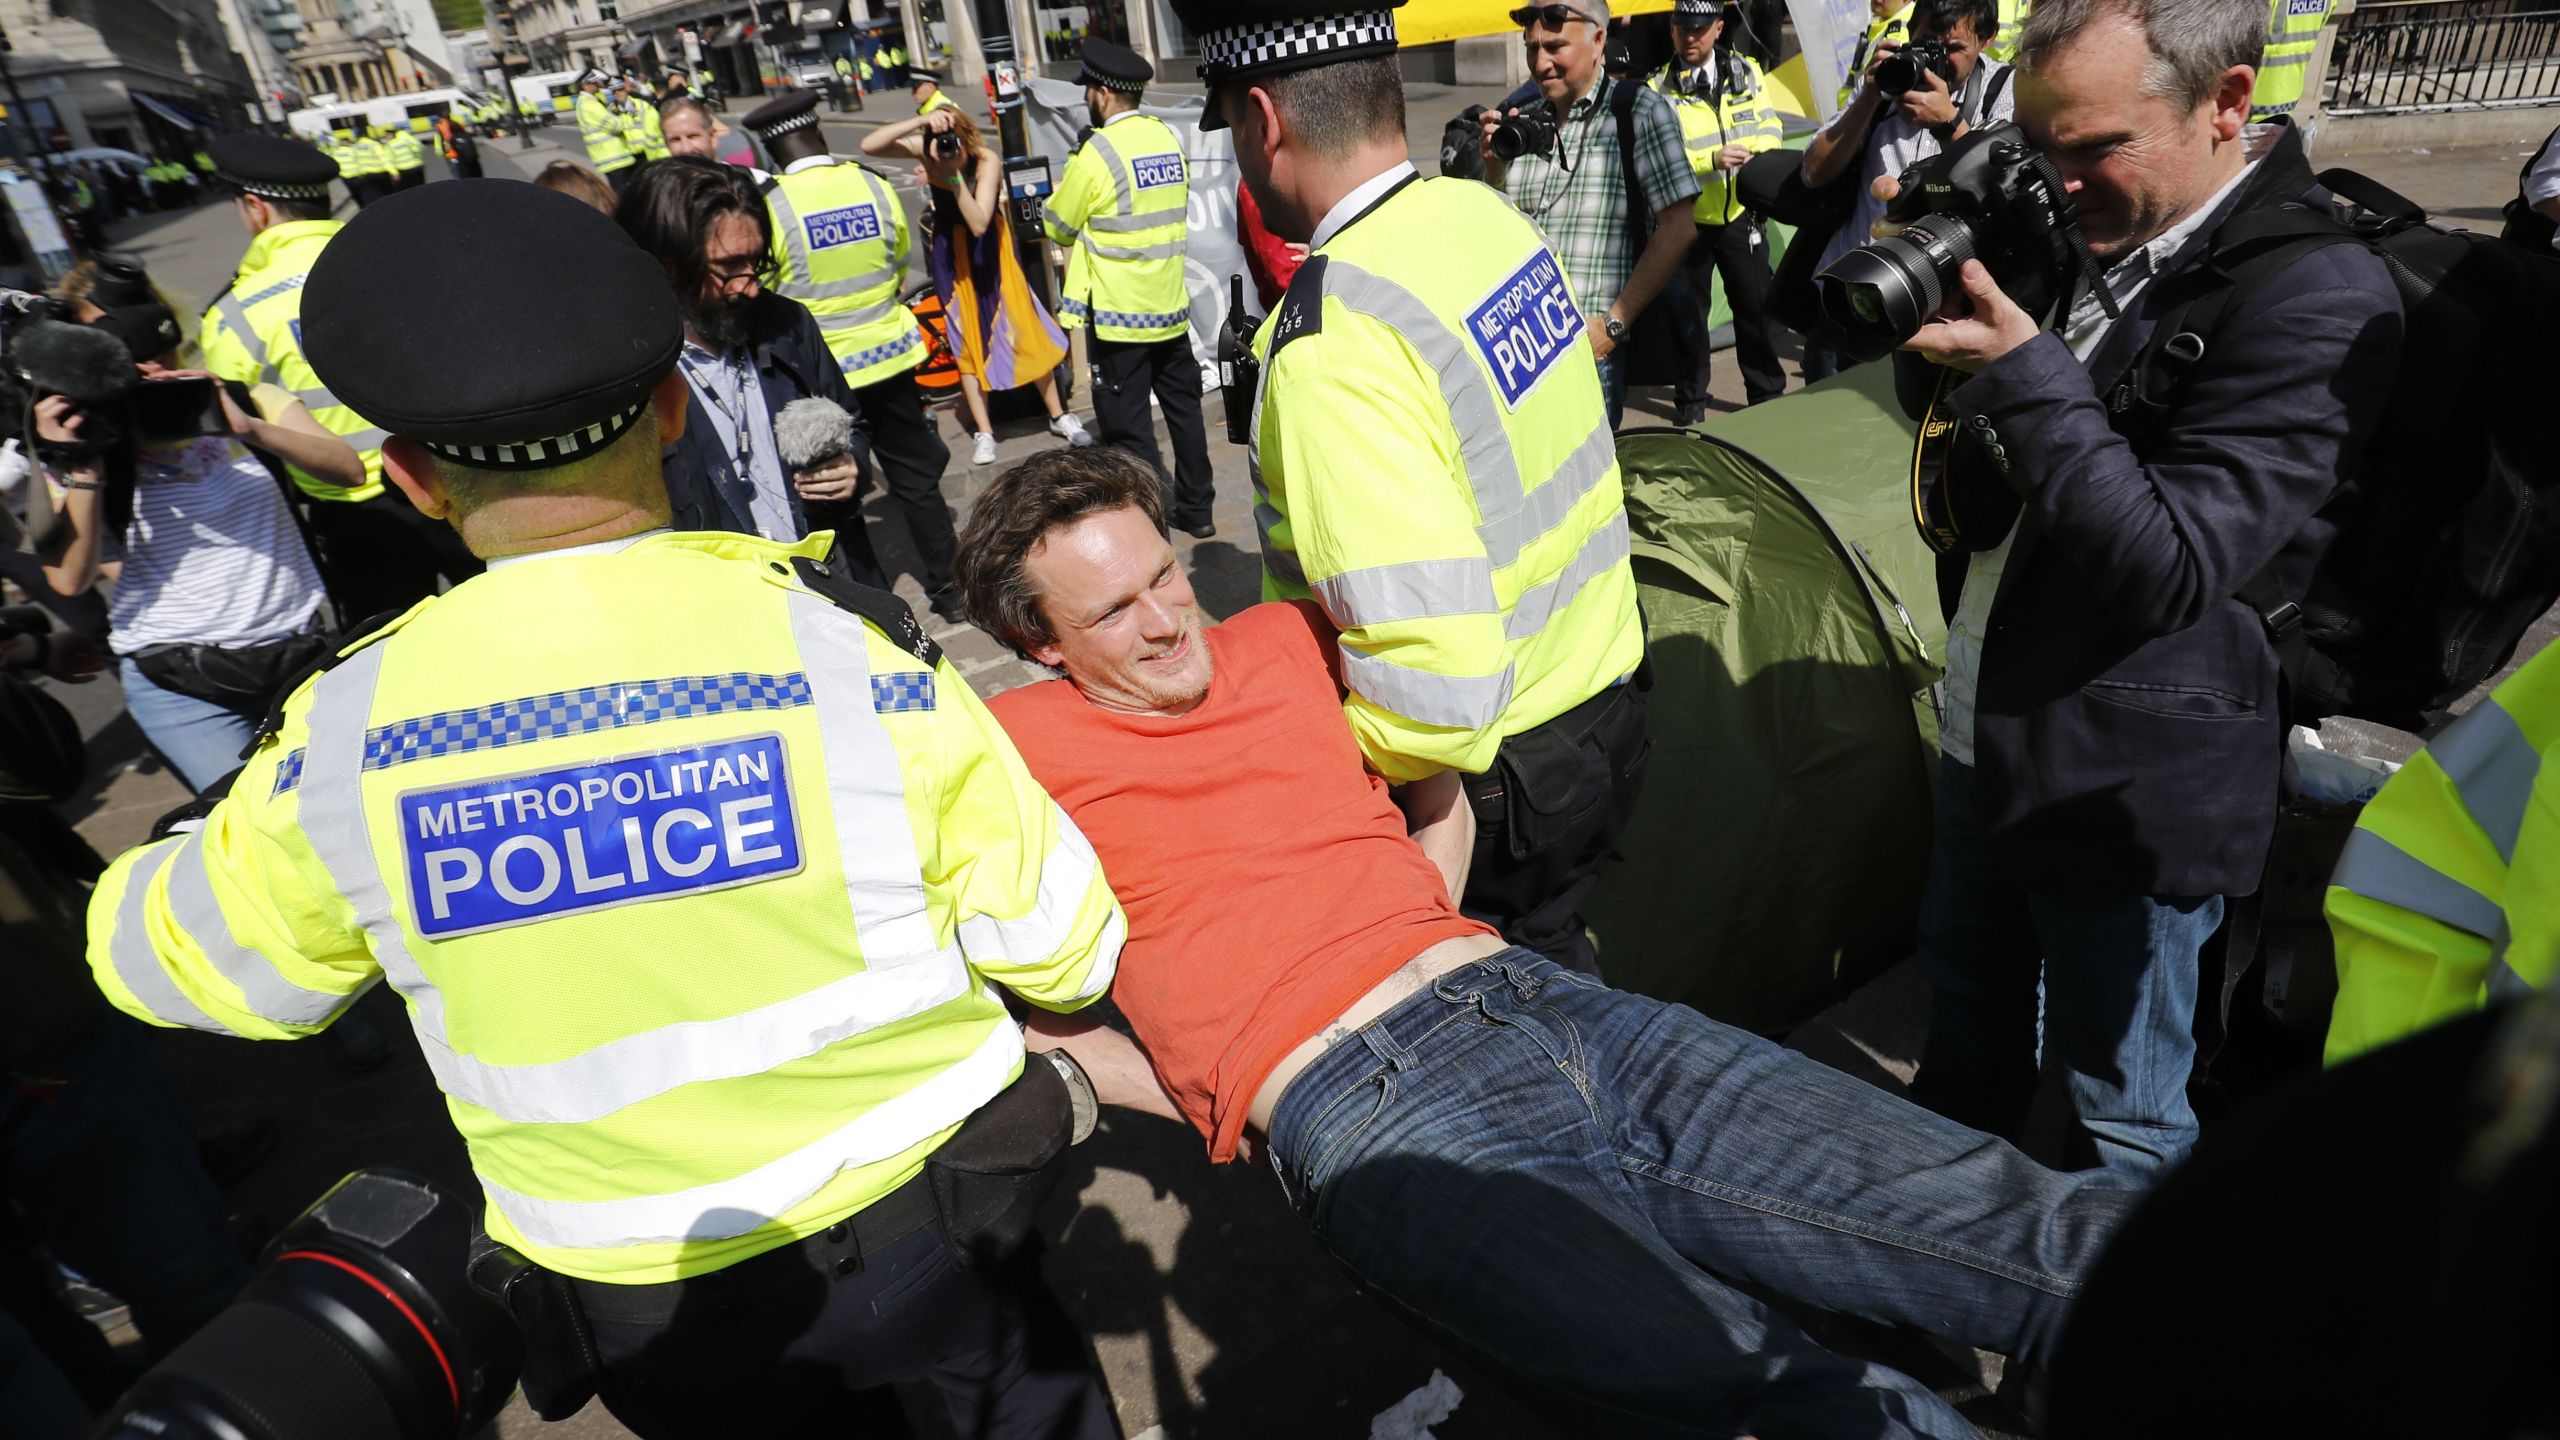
column 288, row 774
column 578, row 712
column 289, row 283
column 906, row 690
column 864, row 359
column 1124, row 319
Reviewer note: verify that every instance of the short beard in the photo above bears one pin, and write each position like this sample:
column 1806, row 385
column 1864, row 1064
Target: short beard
column 718, row 324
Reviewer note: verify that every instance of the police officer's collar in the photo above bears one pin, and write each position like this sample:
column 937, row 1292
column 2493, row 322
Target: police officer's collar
column 1364, row 197
column 808, row 162
column 1122, row 115
column 600, row 547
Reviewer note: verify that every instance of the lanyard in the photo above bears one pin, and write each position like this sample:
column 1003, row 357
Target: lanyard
column 732, row 368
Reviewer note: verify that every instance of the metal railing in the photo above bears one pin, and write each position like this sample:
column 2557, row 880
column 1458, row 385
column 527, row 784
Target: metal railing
column 2404, row 56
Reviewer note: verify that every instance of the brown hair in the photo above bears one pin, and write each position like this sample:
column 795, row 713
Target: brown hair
column 1016, row 512
column 577, row 182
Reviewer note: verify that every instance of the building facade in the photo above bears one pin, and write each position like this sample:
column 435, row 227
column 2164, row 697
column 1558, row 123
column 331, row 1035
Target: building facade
column 364, row 49
column 570, row 34
column 150, row 76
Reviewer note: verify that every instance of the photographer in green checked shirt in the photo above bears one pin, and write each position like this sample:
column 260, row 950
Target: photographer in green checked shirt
column 1575, row 190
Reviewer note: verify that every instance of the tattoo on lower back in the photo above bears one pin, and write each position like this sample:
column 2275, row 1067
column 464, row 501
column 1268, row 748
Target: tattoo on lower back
column 1335, row 1034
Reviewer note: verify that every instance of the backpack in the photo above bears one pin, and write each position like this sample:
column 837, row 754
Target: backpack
column 2455, row 548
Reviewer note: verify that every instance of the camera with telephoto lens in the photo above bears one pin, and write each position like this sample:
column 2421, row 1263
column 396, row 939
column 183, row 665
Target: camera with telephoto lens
column 361, row 1323
column 1901, row 72
column 1529, row 131
column 1991, row 197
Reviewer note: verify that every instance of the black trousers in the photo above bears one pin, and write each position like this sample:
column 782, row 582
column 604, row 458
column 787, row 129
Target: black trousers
column 912, row 458
column 1125, row 372
column 381, row 554
column 796, row 1349
column 1548, row 812
column 1740, row 256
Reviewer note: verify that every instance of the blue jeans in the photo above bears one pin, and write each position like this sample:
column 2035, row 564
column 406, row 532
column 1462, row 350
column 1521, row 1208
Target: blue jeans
column 202, row 741
column 106, row 1173
column 1613, row 387
column 1571, row 1182
column 2119, row 979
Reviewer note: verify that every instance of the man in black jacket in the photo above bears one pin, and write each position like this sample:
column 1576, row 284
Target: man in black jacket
column 748, row 352
column 2113, row 737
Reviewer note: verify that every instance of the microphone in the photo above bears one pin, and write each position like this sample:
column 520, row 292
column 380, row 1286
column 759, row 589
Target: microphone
column 84, row 362
column 811, row 432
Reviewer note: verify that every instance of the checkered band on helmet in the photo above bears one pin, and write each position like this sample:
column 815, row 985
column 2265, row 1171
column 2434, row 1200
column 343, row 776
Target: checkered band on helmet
column 1242, row 48
column 540, row 454
column 801, row 121
column 1124, row 84
column 276, row 189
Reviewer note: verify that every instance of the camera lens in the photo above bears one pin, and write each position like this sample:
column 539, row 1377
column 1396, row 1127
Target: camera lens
column 1898, row 74
column 1881, row 294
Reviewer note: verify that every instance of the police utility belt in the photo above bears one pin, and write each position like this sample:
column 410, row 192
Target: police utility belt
column 1532, row 792
column 984, row 1187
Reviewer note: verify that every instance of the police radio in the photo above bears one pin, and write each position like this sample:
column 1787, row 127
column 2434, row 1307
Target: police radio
column 1239, row 374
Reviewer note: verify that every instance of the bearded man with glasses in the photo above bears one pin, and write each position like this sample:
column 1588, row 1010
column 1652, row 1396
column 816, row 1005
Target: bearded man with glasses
column 1576, row 193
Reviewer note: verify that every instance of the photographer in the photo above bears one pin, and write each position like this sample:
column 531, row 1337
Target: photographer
column 1572, row 180
column 217, row 600
column 1952, row 90
column 2113, row 738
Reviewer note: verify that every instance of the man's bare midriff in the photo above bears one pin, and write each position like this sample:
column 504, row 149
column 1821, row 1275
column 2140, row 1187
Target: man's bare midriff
column 1380, row 998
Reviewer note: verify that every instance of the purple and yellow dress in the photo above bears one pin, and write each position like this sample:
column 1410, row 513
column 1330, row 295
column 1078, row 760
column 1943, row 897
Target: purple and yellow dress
column 1000, row 336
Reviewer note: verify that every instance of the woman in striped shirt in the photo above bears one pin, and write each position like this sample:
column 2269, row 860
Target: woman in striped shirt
column 209, row 556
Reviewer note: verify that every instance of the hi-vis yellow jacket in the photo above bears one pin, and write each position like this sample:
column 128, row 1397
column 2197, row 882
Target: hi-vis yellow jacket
column 2448, row 894
column 252, row 333
column 840, row 248
column 600, row 126
column 1734, row 110
column 1124, row 206
column 699, row 912
column 1432, row 462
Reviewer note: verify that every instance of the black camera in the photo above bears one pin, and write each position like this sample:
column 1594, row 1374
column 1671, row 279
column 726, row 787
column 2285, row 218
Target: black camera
column 1531, row 131
column 360, row 1324
column 1901, row 71
column 944, row 145
column 1993, row 198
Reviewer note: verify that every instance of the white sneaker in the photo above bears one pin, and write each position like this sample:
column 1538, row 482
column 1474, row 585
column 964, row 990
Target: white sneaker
column 984, row 453
column 1071, row 430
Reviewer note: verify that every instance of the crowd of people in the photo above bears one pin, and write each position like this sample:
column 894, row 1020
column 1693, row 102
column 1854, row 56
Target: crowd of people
column 405, row 628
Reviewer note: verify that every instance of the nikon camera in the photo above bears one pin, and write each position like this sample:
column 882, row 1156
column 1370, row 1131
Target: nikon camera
column 1532, row 131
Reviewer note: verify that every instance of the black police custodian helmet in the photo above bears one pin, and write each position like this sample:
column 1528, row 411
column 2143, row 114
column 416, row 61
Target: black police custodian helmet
column 271, row 167
column 1113, row 66
column 1240, row 39
column 448, row 314
column 798, row 111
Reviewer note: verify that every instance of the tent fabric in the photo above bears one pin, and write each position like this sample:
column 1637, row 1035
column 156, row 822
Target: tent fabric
column 1776, row 857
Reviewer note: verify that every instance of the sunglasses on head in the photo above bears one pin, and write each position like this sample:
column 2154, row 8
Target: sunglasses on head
column 1551, row 16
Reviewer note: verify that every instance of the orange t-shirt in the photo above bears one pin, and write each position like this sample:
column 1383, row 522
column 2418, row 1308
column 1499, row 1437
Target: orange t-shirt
column 1266, row 874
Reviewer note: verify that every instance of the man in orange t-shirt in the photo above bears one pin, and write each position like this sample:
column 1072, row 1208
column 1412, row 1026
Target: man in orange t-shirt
column 1568, row 1180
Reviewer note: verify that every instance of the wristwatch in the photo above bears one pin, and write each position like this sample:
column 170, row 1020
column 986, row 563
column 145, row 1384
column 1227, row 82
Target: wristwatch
column 1081, row 1104
column 1616, row 328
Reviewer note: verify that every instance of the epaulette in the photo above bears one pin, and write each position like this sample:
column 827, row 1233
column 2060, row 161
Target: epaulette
column 831, row 581
column 1301, row 310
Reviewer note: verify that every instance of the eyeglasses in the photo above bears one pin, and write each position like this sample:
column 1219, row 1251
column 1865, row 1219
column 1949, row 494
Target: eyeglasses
column 1553, row 17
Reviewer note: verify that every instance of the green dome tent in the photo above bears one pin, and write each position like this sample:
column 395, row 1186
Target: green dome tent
column 1776, row 858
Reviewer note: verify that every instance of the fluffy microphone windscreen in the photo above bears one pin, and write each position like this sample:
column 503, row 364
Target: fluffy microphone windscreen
column 811, row 430
column 87, row 364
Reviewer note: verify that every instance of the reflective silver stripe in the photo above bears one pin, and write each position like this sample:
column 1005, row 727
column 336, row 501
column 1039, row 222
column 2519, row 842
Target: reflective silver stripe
column 1169, row 250
column 1604, row 551
column 318, row 397
column 1125, row 224
column 890, row 925
column 1415, row 590
column 2289, row 61
column 263, row 989
column 236, row 316
column 838, row 321
column 2503, row 982
column 845, row 289
column 368, row 439
column 289, row 283
column 2376, row 869
column 891, row 217
column 2491, row 763
column 1122, row 185
column 740, row 1203
column 1067, row 874
column 786, row 223
column 137, row 962
column 1546, row 507
column 1458, row 702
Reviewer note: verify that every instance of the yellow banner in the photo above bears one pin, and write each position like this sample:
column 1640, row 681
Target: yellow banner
column 1428, row 22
